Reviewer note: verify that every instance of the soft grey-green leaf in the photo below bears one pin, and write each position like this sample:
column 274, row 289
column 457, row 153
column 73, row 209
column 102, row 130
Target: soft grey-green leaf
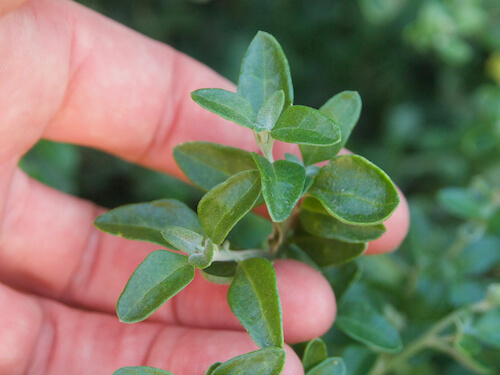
column 254, row 300
column 330, row 366
column 305, row 125
column 203, row 259
column 268, row 361
column 270, row 111
column 344, row 109
column 314, row 354
column 355, row 191
column 141, row 370
column 220, row 272
column 264, row 70
column 342, row 277
column 222, row 207
column 282, row 185
column 227, row 104
column 316, row 220
column 363, row 323
column 144, row 221
column 325, row 252
column 213, row 367
column 157, row 279
column 183, row 239
column 208, row 164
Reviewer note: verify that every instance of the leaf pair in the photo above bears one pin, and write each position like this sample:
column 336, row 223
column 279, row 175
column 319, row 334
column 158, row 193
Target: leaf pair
column 316, row 362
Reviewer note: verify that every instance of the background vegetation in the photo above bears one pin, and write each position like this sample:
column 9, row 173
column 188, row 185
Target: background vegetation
column 428, row 72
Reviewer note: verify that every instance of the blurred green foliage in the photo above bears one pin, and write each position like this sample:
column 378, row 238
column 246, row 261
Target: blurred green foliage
column 428, row 72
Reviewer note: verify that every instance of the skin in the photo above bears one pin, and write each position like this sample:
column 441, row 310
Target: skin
column 68, row 74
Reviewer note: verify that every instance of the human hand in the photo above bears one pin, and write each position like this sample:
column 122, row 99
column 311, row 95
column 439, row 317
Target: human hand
column 68, row 74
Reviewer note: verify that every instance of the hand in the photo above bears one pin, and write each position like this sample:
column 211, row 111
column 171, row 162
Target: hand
column 68, row 74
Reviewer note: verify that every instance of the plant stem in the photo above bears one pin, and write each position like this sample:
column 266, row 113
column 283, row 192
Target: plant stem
column 240, row 255
column 265, row 143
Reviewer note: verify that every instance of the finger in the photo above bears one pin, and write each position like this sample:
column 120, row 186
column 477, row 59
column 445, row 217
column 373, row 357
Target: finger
column 43, row 337
column 7, row 6
column 64, row 256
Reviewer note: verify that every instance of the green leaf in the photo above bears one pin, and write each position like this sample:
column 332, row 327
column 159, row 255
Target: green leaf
column 254, row 300
column 270, row 111
column 226, row 104
column 487, row 328
column 220, row 272
column 363, row 323
column 293, row 158
column 342, row 277
column 465, row 203
column 314, row 354
column 204, row 258
column 268, row 361
column 251, row 232
column 223, row 206
column 157, row 279
column 355, row 191
column 282, row 185
column 208, row 164
column 144, row 221
column 264, row 70
column 330, row 366
column 311, row 172
column 141, row 370
column 305, row 125
column 325, row 252
column 344, row 109
column 213, row 367
column 292, row 251
column 318, row 222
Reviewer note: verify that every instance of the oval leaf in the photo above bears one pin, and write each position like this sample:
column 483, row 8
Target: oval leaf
column 330, row 366
column 213, row 367
column 209, row 164
column 305, row 125
column 314, row 354
column 270, row 111
column 282, row 185
column 254, row 300
column 141, row 370
column 269, row 361
column 264, row 70
column 220, row 272
column 344, row 109
column 355, row 191
column 325, row 252
column 226, row 104
column 223, row 206
column 157, row 279
column 318, row 222
column 144, row 221
column 363, row 323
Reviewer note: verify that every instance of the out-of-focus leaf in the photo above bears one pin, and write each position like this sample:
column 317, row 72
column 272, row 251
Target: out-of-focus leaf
column 314, row 354
column 141, row 370
column 268, row 361
column 325, row 252
column 330, row 366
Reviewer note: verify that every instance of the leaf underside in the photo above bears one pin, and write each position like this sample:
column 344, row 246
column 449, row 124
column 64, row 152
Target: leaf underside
column 268, row 361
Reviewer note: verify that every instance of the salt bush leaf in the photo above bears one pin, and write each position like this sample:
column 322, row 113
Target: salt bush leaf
column 330, row 366
column 465, row 203
column 486, row 328
column 314, row 354
column 208, row 164
column 293, row 158
column 144, row 221
column 227, row 104
column 282, row 185
column 325, row 252
column 264, row 70
column 305, row 125
column 213, row 367
column 363, row 323
column 254, row 300
column 355, row 191
column 318, row 222
column 344, row 109
column 268, row 361
column 220, row 272
column 251, row 232
column 342, row 277
column 270, row 111
column 157, row 279
column 222, row 207
column 292, row 251
column 141, row 370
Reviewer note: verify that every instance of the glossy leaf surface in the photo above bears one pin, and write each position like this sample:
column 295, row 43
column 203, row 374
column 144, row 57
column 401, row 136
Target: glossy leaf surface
column 344, row 109
column 223, row 206
column 144, row 221
column 282, row 185
column 330, row 366
column 316, row 220
column 264, row 70
column 363, row 323
column 355, row 191
column 141, row 370
column 208, row 164
column 314, row 354
column 326, row 252
column 157, row 279
column 305, row 125
column 270, row 111
column 227, row 104
column 269, row 361
column 254, row 300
